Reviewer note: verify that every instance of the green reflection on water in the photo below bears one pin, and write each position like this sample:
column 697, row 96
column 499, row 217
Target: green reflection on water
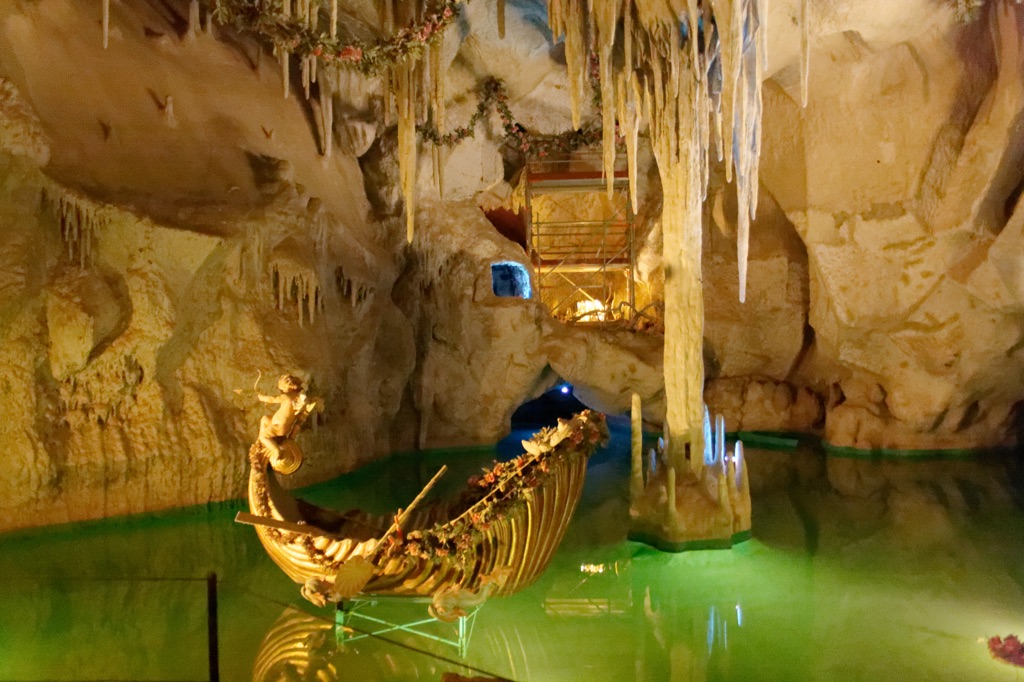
column 830, row 589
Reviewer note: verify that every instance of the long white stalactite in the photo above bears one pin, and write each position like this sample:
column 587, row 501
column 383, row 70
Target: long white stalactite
column 106, row 23
column 805, row 51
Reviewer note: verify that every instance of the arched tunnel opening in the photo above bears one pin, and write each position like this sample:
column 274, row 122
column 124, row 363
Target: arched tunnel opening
column 558, row 402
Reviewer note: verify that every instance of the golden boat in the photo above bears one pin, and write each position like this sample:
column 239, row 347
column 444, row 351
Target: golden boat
column 495, row 538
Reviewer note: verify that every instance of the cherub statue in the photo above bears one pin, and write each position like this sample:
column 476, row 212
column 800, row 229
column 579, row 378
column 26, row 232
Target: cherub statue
column 277, row 431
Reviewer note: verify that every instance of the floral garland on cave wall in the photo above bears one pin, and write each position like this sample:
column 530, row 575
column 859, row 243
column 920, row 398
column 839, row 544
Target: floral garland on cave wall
column 492, row 95
column 267, row 21
column 293, row 33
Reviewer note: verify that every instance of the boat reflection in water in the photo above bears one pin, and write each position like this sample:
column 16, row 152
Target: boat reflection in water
column 539, row 634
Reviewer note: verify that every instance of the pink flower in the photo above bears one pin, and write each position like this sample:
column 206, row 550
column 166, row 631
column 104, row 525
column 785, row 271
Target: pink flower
column 351, row 53
column 1009, row 650
column 448, row 12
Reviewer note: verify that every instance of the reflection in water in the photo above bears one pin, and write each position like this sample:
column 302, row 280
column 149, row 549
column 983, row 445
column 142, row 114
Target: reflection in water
column 672, row 636
column 304, row 647
column 297, row 647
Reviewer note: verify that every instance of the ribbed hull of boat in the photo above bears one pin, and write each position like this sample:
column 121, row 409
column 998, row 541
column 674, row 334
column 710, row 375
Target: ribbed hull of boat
column 521, row 545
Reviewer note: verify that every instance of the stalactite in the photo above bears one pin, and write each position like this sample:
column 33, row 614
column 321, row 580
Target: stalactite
column 283, row 56
column 692, row 28
column 106, row 23
column 327, row 114
column 304, row 69
column 437, row 106
column 762, row 17
column 405, row 99
column 567, row 17
column 194, row 20
column 805, row 51
column 731, row 42
column 720, row 437
column 79, row 219
column 501, row 19
column 606, row 20
column 298, row 287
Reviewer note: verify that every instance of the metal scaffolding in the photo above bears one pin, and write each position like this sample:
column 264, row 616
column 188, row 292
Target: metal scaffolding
column 581, row 240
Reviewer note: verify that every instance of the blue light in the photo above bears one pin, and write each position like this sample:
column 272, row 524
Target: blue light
column 510, row 279
column 565, row 389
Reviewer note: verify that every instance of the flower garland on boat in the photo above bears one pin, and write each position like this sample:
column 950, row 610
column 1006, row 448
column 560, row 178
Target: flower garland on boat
column 502, row 491
column 268, row 21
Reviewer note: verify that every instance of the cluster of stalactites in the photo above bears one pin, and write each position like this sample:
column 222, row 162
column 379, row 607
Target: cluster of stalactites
column 660, row 61
column 413, row 87
column 79, row 220
column 299, row 288
column 352, row 291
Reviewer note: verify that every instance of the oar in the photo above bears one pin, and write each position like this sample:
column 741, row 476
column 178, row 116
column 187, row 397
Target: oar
column 354, row 574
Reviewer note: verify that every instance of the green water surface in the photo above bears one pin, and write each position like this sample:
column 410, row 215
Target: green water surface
column 830, row 588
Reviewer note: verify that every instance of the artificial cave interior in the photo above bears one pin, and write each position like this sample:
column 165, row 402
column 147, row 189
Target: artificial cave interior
column 512, row 339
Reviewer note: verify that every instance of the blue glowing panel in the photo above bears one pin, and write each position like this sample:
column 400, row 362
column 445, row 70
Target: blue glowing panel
column 510, row 279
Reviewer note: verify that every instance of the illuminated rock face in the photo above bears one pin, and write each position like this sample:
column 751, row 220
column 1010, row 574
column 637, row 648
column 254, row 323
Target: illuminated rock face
column 902, row 179
column 151, row 265
column 171, row 227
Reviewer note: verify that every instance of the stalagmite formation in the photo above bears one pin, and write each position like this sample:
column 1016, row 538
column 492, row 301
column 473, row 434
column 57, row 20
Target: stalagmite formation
column 677, row 511
column 636, row 480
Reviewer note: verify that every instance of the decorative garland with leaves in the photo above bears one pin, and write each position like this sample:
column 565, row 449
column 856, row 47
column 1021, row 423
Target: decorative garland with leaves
column 267, row 20
column 504, row 490
column 492, row 94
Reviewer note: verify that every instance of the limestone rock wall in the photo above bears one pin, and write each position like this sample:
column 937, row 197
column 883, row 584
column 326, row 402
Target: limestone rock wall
column 902, row 177
column 478, row 354
column 171, row 229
